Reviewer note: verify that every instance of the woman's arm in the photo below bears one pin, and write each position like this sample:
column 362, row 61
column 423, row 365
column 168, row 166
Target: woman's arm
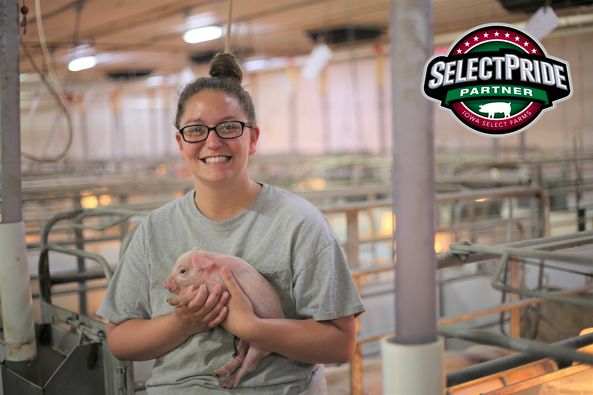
column 303, row 340
column 142, row 339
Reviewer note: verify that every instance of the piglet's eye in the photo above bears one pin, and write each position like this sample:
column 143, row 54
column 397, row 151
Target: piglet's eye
column 182, row 271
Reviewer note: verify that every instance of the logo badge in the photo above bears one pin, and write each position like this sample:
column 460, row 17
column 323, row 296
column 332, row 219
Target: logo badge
column 496, row 80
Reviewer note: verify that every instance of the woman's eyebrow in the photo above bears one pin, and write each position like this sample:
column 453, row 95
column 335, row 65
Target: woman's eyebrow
column 202, row 122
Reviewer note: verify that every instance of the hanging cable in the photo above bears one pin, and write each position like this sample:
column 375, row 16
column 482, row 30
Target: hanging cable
column 62, row 106
column 76, row 32
column 227, row 39
column 51, row 74
column 50, row 81
column 25, row 11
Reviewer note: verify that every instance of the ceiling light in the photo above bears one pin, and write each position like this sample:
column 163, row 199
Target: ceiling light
column 264, row 64
column 155, row 80
column 202, row 34
column 316, row 61
column 82, row 63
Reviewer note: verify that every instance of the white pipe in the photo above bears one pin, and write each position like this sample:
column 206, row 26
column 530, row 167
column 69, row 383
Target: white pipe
column 15, row 294
column 410, row 369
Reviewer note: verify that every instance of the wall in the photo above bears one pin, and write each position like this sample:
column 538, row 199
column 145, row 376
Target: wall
column 336, row 112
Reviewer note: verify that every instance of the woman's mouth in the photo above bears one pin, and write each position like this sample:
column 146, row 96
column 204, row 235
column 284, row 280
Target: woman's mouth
column 216, row 159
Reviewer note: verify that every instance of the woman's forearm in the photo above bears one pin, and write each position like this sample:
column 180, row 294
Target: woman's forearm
column 139, row 339
column 195, row 311
column 306, row 340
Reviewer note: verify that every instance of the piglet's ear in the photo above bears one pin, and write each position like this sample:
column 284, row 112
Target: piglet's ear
column 202, row 262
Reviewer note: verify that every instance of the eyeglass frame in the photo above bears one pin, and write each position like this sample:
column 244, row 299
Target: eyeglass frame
column 213, row 128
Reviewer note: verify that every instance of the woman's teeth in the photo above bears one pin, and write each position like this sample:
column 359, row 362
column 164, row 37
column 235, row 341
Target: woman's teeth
column 216, row 159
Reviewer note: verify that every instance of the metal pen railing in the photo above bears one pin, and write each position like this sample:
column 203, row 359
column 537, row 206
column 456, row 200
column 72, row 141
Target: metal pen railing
column 461, row 254
column 80, row 222
column 118, row 375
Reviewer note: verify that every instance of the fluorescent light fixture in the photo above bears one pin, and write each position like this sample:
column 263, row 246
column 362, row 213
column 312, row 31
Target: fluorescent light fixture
column 83, row 63
column 202, row 34
column 318, row 58
column 186, row 76
column 542, row 23
column 155, row 80
column 264, row 64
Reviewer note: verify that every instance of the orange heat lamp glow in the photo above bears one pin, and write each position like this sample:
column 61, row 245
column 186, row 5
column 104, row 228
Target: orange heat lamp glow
column 105, row 200
column 90, row 201
column 387, row 228
column 442, row 240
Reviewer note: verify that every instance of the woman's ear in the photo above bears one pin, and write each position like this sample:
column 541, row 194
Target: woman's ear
column 254, row 137
column 179, row 142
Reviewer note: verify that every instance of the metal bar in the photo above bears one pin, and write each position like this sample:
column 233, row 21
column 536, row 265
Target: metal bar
column 103, row 264
column 352, row 242
column 356, row 372
column 440, row 198
column 10, row 128
column 532, row 347
column 80, row 262
column 73, row 290
column 521, row 253
column 478, row 314
column 516, row 280
column 498, row 365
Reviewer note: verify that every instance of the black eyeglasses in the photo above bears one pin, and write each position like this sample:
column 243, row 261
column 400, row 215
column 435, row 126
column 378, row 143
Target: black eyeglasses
column 225, row 130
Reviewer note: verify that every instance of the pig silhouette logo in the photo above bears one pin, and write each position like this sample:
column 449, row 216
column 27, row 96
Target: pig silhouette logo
column 496, row 80
column 494, row 107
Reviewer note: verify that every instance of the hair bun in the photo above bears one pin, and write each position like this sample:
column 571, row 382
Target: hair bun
column 224, row 65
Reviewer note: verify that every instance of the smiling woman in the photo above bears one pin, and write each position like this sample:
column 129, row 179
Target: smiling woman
column 218, row 103
column 285, row 238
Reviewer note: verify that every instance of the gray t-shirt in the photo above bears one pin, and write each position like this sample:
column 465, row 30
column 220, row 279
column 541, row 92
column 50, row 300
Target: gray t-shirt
column 281, row 235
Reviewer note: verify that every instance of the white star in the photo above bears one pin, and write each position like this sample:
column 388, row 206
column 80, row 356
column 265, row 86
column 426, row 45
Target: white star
column 517, row 38
column 496, row 34
column 466, row 44
column 533, row 50
column 458, row 50
column 476, row 38
column 507, row 35
column 485, row 35
column 525, row 44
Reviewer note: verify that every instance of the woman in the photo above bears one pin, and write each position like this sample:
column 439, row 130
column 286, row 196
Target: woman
column 283, row 236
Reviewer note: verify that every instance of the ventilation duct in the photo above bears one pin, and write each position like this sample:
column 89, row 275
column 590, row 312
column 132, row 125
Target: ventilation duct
column 202, row 57
column 345, row 34
column 530, row 6
column 127, row 75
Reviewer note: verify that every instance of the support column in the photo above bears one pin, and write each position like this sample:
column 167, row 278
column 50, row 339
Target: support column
column 15, row 288
column 412, row 359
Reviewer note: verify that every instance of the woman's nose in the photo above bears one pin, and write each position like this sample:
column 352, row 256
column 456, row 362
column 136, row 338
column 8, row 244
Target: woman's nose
column 213, row 140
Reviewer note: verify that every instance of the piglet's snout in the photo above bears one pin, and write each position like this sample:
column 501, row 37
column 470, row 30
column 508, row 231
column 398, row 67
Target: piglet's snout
column 168, row 284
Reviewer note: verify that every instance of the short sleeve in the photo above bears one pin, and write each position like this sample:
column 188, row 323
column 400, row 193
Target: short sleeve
column 324, row 289
column 128, row 293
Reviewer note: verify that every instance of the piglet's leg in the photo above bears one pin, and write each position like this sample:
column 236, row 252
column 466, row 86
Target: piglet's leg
column 232, row 365
column 254, row 355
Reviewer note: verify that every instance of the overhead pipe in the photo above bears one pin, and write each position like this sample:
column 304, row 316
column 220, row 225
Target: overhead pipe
column 412, row 360
column 15, row 287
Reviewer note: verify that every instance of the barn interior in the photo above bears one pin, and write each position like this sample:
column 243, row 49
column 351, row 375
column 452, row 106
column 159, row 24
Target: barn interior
column 89, row 150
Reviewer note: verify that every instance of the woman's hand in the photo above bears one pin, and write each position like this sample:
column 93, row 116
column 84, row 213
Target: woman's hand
column 198, row 311
column 241, row 319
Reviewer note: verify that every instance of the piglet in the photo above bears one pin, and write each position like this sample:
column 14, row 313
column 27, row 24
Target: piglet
column 196, row 267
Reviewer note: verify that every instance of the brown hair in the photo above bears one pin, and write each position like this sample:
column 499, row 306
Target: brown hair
column 225, row 76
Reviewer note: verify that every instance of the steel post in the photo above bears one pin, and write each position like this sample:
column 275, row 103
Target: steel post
column 15, row 288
